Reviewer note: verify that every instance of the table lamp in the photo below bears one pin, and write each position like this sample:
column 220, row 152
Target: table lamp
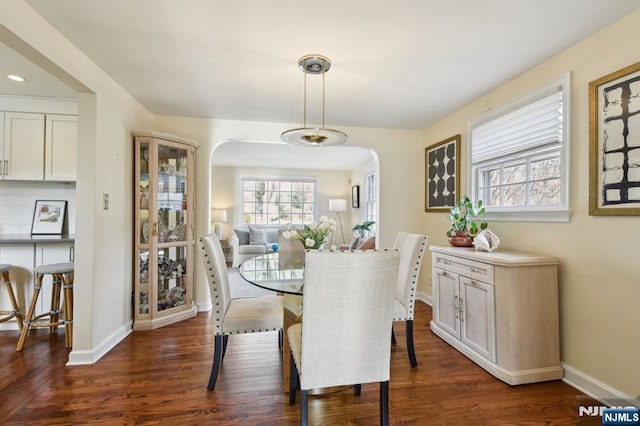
column 217, row 217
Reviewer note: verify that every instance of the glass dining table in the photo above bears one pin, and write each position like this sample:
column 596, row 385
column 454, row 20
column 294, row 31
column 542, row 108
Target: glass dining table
column 280, row 272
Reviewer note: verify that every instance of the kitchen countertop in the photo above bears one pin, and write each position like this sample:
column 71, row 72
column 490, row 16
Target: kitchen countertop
column 29, row 239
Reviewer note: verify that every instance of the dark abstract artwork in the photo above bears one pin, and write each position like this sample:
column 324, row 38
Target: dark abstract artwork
column 615, row 143
column 442, row 171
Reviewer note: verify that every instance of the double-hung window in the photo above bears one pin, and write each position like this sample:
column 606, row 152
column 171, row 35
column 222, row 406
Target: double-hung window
column 520, row 157
column 272, row 201
column 371, row 198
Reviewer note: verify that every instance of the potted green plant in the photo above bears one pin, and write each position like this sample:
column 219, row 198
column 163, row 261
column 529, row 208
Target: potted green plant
column 466, row 222
column 361, row 229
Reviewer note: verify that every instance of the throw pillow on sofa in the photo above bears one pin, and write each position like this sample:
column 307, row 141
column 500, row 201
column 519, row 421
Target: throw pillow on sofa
column 370, row 244
column 243, row 236
column 257, row 236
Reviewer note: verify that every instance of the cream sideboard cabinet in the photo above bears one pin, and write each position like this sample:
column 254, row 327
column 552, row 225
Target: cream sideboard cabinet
column 163, row 230
column 499, row 309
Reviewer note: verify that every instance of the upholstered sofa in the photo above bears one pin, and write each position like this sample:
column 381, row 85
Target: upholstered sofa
column 252, row 241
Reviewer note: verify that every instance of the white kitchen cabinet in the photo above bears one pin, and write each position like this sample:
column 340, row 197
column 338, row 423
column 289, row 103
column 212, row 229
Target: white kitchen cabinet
column 61, row 141
column 38, row 146
column 499, row 309
column 23, row 146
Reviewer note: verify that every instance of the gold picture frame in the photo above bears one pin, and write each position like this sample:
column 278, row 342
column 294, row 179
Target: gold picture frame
column 614, row 143
column 442, row 171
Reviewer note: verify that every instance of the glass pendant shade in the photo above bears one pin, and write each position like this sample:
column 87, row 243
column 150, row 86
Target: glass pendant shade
column 314, row 136
column 309, row 136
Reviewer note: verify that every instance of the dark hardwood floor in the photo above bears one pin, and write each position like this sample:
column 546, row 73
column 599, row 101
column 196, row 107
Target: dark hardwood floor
column 160, row 377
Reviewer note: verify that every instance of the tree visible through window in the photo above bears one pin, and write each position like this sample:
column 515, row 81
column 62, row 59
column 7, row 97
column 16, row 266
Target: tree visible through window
column 278, row 201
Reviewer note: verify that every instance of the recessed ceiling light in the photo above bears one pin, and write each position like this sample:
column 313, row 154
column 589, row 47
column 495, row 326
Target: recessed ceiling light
column 15, row 77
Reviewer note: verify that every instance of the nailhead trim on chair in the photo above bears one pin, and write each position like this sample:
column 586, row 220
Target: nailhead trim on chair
column 218, row 325
column 414, row 283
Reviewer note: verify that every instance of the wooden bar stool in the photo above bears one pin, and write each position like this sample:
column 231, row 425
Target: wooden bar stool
column 62, row 280
column 7, row 315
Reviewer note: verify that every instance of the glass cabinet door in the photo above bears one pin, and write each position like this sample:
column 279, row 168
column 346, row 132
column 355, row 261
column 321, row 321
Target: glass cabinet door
column 143, row 193
column 172, row 277
column 172, row 194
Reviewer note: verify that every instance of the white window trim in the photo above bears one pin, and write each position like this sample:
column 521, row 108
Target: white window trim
column 531, row 214
column 377, row 194
column 240, row 218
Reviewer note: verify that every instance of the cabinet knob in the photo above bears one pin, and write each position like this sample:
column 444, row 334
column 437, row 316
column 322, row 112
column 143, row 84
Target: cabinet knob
column 154, row 229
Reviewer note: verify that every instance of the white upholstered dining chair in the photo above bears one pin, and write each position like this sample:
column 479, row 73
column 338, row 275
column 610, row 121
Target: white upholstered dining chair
column 344, row 335
column 234, row 316
column 412, row 248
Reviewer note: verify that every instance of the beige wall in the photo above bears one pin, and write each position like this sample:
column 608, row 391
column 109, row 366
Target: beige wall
column 599, row 272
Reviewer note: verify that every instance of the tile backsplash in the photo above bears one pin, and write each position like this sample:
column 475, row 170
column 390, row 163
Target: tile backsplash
column 18, row 201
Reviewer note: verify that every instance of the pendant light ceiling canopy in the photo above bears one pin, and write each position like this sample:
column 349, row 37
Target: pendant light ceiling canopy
column 314, row 136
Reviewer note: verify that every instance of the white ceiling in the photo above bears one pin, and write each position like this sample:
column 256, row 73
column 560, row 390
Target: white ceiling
column 399, row 64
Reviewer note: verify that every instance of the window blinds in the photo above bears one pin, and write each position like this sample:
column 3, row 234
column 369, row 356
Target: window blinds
column 536, row 125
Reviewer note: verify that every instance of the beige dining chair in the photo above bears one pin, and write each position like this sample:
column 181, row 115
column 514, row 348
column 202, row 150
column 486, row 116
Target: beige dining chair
column 234, row 316
column 344, row 335
column 412, row 248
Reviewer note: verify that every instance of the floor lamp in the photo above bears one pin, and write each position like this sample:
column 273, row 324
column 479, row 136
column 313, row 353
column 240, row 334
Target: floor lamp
column 338, row 205
column 218, row 216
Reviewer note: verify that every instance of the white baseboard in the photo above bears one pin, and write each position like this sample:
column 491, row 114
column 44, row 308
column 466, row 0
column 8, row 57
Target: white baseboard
column 204, row 307
column 426, row 298
column 80, row 357
column 596, row 389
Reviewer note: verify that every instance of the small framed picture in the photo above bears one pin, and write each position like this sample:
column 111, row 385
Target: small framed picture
column 355, row 196
column 48, row 217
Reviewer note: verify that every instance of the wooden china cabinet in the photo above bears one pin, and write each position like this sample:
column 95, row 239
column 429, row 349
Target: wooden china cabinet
column 163, row 230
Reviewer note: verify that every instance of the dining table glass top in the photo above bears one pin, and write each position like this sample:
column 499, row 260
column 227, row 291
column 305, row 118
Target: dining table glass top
column 280, row 272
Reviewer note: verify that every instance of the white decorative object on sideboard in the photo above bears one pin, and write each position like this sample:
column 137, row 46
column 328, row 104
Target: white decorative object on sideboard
column 500, row 309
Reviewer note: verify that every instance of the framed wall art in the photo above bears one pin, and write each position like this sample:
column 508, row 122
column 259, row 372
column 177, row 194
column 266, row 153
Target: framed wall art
column 614, row 143
column 442, row 171
column 48, row 217
column 355, row 196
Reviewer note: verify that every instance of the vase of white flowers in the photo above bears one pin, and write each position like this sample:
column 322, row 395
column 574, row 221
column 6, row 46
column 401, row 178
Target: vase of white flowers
column 313, row 235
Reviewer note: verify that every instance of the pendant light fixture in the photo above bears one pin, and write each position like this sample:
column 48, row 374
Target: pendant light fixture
column 314, row 136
